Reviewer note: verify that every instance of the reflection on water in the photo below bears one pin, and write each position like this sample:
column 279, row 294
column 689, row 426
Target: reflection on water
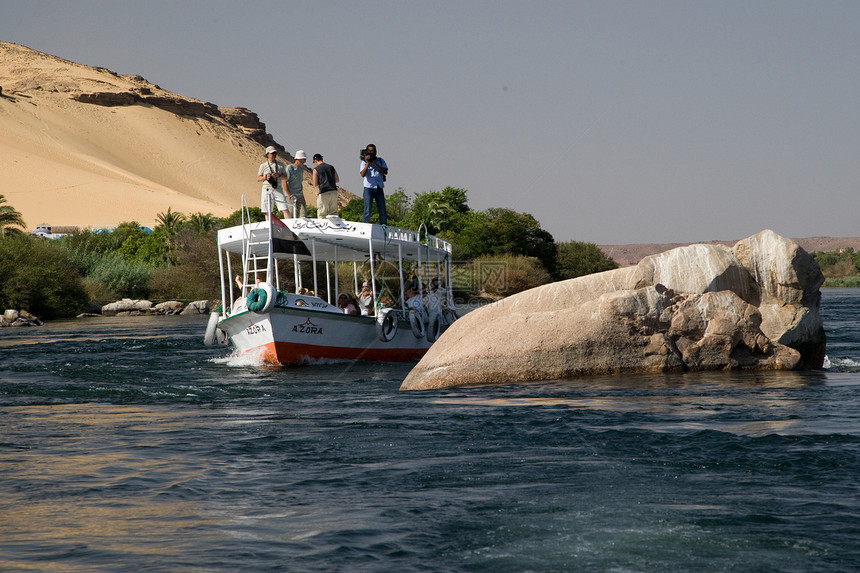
column 89, row 490
column 103, row 533
column 681, row 402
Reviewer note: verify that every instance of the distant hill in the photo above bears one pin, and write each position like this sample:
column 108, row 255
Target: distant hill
column 83, row 146
column 628, row 255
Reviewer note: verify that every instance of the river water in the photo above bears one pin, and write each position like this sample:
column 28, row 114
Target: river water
column 127, row 445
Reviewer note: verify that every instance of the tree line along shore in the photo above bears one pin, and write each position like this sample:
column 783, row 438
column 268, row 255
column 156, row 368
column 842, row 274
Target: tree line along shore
column 177, row 259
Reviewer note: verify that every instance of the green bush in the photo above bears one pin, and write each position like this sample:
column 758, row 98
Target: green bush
column 504, row 231
column 126, row 278
column 98, row 291
column 174, row 283
column 354, row 211
column 505, row 275
column 85, row 260
column 842, row 282
column 235, row 218
column 576, row 259
column 87, row 247
column 37, row 275
column 195, row 276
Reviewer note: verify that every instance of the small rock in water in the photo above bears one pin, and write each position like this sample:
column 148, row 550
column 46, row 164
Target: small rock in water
column 13, row 317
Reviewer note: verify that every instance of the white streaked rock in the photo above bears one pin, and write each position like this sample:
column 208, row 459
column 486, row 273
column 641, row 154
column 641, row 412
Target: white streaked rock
column 700, row 307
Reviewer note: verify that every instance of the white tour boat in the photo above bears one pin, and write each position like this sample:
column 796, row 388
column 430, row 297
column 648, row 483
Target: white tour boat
column 295, row 327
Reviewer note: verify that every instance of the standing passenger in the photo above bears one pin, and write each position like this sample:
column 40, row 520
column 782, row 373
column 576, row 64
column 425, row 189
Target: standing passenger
column 374, row 170
column 270, row 173
column 295, row 176
column 326, row 179
column 365, row 299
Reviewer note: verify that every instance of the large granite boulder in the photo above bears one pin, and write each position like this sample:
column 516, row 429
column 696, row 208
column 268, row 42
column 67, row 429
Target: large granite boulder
column 196, row 307
column 169, row 307
column 701, row 307
column 126, row 307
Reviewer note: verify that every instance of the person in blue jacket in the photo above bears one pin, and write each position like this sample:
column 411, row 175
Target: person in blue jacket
column 374, row 170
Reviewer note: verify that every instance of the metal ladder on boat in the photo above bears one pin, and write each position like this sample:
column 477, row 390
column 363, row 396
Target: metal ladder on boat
column 256, row 262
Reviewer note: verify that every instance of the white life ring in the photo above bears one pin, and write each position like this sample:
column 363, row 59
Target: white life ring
column 211, row 327
column 386, row 325
column 416, row 321
column 271, row 296
column 434, row 327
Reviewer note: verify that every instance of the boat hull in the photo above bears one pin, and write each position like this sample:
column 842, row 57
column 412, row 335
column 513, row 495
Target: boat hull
column 290, row 336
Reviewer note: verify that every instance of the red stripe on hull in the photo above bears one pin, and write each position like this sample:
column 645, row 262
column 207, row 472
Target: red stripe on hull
column 290, row 353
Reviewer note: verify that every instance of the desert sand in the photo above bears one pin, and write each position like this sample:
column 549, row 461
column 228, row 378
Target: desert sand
column 66, row 162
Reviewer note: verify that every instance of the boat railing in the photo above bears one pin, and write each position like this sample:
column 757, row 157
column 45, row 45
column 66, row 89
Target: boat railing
column 405, row 235
column 260, row 265
column 409, row 236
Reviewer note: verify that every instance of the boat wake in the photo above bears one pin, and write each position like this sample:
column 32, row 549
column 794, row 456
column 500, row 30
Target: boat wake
column 841, row 364
column 238, row 359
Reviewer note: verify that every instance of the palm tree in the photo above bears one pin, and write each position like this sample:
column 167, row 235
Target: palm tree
column 439, row 216
column 9, row 219
column 202, row 223
column 171, row 220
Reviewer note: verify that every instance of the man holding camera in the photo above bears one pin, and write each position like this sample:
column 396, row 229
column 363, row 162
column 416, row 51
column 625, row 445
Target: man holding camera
column 271, row 173
column 374, row 170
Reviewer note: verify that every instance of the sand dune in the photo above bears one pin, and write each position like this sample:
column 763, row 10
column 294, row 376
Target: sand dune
column 64, row 161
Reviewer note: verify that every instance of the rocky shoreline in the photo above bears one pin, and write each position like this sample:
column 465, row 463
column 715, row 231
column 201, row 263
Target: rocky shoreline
column 124, row 307
column 19, row 318
column 130, row 307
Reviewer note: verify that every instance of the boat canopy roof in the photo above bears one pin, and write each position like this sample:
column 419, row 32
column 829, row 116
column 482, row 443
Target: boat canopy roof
column 333, row 239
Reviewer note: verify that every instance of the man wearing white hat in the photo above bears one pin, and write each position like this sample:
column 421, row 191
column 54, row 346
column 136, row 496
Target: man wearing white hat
column 365, row 299
column 295, row 176
column 271, row 173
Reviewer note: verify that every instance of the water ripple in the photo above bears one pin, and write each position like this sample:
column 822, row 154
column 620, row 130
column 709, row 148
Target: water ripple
column 128, row 445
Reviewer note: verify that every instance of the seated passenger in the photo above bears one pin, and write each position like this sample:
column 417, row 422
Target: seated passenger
column 241, row 285
column 436, row 299
column 413, row 300
column 353, row 302
column 344, row 304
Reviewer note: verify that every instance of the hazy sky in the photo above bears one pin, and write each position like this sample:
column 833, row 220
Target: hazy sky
column 609, row 121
